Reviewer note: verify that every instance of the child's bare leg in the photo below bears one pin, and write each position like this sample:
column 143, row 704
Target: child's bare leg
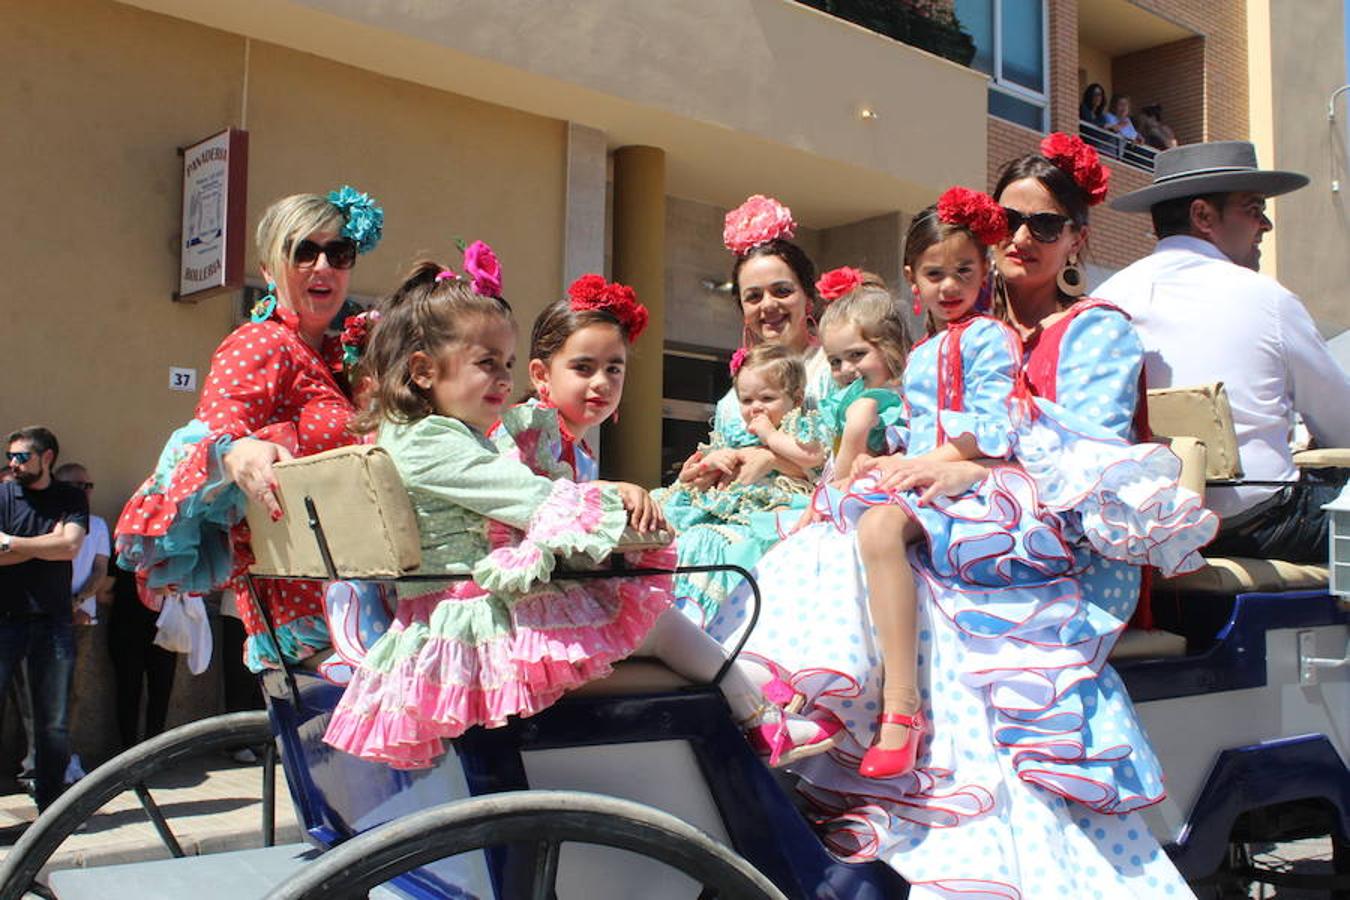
column 884, row 532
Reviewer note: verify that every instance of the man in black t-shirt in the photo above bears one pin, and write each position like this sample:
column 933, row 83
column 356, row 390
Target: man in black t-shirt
column 42, row 523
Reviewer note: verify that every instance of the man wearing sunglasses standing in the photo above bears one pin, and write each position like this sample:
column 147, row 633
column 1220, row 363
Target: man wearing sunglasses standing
column 42, row 525
column 1204, row 314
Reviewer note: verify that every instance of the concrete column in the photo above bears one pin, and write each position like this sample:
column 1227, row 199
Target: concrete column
column 633, row 448
column 584, row 226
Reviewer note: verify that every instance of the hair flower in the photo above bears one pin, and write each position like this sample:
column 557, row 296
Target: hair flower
column 838, row 282
column 355, row 334
column 483, row 267
column 975, row 210
column 593, row 292
column 757, row 221
column 1080, row 162
column 364, row 218
column 738, row 360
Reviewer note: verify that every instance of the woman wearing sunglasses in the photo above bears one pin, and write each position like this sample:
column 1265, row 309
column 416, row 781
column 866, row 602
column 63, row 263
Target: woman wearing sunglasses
column 276, row 390
column 1028, row 781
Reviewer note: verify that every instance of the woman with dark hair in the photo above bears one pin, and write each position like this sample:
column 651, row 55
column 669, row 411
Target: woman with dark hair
column 774, row 282
column 1092, row 109
column 1032, row 765
column 276, row 389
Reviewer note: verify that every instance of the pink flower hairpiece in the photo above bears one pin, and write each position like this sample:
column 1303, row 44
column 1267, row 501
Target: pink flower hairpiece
column 976, row 211
column 1071, row 154
column 838, row 282
column 592, row 291
column 738, row 360
column 757, row 221
column 481, row 268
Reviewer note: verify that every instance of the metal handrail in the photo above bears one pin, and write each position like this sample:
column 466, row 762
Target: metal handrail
column 1112, row 144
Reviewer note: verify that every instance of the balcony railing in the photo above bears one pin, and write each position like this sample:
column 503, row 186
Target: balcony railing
column 904, row 21
column 1108, row 142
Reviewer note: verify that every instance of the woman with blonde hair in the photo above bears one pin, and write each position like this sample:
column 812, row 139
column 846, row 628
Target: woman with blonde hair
column 276, row 390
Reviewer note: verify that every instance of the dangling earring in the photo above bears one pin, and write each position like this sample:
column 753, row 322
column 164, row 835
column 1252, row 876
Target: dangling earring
column 918, row 305
column 615, row 416
column 1072, row 280
column 745, row 335
column 266, row 305
column 543, row 392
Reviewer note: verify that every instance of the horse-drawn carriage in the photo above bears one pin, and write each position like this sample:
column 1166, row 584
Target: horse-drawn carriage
column 641, row 785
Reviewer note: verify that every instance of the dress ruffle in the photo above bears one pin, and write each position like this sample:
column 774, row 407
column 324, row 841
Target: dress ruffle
column 1122, row 499
column 891, row 418
column 531, row 432
column 300, row 638
column 992, row 435
column 462, row 656
column 576, row 519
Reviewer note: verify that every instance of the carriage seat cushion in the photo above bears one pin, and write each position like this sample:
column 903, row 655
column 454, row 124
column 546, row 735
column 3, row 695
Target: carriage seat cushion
column 367, row 519
column 1323, row 458
column 1236, row 574
column 366, row 516
column 634, row 675
column 1138, row 643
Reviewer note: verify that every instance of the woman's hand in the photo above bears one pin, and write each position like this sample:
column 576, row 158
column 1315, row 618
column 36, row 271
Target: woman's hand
column 754, row 464
column 935, row 479
column 249, row 465
column 862, row 464
column 643, row 512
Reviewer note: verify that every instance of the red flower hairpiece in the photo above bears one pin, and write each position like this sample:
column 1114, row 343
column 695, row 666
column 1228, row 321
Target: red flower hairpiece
column 355, row 334
column 1068, row 152
column 738, row 360
column 838, row 282
column 976, row 211
column 619, row 300
column 757, row 221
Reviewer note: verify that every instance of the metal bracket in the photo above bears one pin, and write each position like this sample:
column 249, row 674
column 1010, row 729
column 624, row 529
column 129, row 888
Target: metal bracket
column 1308, row 663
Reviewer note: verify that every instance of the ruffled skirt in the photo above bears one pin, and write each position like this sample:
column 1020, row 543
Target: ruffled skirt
column 460, row 656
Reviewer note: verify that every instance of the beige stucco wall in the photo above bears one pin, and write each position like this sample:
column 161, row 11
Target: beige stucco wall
column 104, row 94
column 1312, row 225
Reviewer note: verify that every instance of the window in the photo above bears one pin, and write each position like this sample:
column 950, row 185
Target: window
column 1010, row 41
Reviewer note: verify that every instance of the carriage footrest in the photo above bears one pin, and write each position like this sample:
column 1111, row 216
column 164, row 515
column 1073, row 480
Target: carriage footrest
column 236, row 875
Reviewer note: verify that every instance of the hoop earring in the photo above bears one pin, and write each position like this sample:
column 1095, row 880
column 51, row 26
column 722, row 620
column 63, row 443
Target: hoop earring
column 266, row 305
column 1072, row 280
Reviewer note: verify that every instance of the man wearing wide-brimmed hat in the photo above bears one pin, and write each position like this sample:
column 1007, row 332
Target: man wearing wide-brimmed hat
column 1204, row 314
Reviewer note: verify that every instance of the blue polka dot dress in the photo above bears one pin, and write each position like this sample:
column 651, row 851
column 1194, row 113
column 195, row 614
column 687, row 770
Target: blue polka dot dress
column 1034, row 765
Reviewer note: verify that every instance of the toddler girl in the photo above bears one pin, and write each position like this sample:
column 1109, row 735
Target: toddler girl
column 733, row 522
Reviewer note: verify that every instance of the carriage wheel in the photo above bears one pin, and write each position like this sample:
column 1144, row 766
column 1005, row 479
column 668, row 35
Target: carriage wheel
column 128, row 771
column 543, row 819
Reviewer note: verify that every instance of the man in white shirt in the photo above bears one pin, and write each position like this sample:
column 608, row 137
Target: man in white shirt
column 90, row 565
column 1204, row 314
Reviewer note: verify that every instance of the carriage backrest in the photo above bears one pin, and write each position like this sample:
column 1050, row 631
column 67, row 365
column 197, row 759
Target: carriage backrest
column 1201, row 412
column 360, row 500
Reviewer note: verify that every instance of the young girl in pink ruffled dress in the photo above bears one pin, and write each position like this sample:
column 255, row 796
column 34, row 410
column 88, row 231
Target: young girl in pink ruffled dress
column 507, row 641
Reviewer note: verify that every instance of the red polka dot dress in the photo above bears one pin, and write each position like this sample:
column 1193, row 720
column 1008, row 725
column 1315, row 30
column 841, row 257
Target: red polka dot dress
column 184, row 526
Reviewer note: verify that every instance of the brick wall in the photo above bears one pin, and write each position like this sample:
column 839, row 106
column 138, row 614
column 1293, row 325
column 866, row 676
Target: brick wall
column 1201, row 82
column 1171, row 74
column 1223, row 25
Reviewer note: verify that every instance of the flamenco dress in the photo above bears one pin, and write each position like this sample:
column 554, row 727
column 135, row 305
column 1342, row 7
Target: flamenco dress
column 184, row 526
column 734, row 523
column 509, row 639
column 1033, row 763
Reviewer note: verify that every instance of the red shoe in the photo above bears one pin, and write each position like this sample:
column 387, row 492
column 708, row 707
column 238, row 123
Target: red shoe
column 879, row 763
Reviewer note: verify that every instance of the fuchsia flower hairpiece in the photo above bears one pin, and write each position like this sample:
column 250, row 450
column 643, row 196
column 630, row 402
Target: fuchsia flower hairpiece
column 975, row 210
column 757, row 221
column 619, row 300
column 738, row 360
column 838, row 282
column 1080, row 161
column 481, row 268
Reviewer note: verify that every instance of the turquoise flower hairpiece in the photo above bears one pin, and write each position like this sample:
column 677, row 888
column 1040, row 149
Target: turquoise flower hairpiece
column 365, row 219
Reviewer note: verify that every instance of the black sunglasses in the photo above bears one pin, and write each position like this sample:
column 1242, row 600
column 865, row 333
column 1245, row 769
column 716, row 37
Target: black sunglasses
column 341, row 253
column 1045, row 227
column 19, row 456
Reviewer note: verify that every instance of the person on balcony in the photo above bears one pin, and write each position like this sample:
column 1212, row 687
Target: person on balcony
column 1118, row 118
column 1156, row 133
column 1208, row 205
column 1093, row 107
